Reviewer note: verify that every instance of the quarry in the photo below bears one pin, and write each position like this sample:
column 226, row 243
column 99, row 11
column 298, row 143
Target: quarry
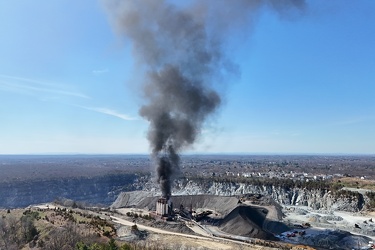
column 252, row 219
column 225, row 211
column 187, row 124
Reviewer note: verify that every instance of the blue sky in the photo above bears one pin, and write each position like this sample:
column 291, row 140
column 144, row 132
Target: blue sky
column 307, row 84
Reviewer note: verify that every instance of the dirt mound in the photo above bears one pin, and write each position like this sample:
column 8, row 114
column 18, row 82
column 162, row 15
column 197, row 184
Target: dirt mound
column 275, row 227
column 170, row 226
column 129, row 199
column 246, row 221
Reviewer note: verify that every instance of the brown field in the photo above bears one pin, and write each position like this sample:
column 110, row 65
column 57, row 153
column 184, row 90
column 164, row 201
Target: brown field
column 355, row 182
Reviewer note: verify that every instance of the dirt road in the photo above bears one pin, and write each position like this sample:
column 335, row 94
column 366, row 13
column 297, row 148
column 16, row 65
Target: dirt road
column 208, row 241
column 153, row 229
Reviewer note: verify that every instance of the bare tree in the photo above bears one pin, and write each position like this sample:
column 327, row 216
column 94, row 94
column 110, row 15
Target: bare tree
column 63, row 238
column 9, row 233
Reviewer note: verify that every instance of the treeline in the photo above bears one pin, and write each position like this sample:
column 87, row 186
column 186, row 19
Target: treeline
column 111, row 245
column 344, row 193
column 136, row 215
column 268, row 182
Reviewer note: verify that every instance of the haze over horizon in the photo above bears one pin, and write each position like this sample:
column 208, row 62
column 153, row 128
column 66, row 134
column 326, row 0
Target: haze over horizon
column 68, row 83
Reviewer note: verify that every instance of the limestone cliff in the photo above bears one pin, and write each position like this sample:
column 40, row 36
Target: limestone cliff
column 351, row 201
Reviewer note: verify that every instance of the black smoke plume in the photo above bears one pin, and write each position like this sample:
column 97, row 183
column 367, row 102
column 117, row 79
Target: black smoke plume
column 180, row 48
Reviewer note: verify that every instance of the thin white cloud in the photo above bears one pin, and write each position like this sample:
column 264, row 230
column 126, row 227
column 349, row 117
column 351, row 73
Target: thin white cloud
column 100, row 71
column 19, row 84
column 111, row 112
column 354, row 120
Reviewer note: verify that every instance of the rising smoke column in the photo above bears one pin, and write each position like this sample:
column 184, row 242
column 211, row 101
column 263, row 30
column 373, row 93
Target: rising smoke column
column 180, row 49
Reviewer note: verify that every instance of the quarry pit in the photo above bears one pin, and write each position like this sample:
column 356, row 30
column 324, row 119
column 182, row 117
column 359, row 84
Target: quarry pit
column 247, row 218
column 224, row 216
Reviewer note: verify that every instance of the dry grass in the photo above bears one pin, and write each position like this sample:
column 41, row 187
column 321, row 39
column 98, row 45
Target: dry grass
column 353, row 182
column 178, row 242
column 49, row 219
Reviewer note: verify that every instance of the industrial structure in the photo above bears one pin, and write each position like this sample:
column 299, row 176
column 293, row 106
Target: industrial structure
column 163, row 206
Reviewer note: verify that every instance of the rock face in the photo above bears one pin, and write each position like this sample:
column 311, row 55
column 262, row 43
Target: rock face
column 105, row 189
column 316, row 198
